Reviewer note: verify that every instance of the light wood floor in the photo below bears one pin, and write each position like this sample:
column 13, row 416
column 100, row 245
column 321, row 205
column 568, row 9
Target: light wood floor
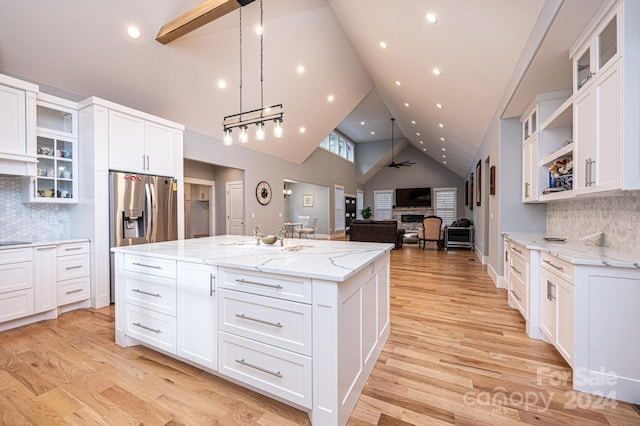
column 457, row 355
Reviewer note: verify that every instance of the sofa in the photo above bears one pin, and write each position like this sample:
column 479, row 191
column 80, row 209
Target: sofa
column 376, row 231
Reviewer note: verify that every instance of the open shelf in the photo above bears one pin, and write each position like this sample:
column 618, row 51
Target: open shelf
column 561, row 117
column 565, row 151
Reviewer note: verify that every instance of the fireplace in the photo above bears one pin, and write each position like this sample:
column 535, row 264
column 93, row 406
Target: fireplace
column 411, row 218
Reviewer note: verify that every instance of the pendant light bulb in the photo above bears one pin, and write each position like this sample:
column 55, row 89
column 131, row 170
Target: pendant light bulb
column 278, row 131
column 228, row 141
column 260, row 131
column 244, row 136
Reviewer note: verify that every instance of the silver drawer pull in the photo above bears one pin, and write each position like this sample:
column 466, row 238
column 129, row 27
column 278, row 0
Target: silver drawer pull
column 517, row 272
column 137, row 324
column 73, row 248
column 74, row 291
column 147, row 266
column 73, row 267
column 559, row 268
column 516, row 250
column 264, row 370
column 516, row 296
column 243, row 281
column 137, row 290
column 275, row 324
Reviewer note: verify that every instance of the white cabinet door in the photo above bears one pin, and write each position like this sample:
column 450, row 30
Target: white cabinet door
column 46, row 285
column 548, row 293
column 529, row 170
column 564, row 320
column 584, row 128
column 159, row 150
column 126, row 143
column 197, row 314
column 13, row 135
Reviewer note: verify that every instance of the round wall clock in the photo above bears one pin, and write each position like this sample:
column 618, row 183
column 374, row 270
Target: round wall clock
column 263, row 193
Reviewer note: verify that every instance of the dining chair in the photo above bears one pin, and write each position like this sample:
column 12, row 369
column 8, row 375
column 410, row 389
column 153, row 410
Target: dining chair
column 309, row 229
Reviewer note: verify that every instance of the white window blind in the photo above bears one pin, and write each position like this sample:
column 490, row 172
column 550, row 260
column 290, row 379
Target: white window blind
column 359, row 204
column 445, row 204
column 339, row 208
column 382, row 203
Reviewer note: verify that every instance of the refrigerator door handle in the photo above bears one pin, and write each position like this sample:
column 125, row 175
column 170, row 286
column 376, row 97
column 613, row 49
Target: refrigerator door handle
column 154, row 214
column 149, row 212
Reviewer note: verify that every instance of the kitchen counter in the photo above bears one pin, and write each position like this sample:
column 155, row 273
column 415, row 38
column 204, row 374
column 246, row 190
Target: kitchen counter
column 4, row 246
column 321, row 259
column 578, row 252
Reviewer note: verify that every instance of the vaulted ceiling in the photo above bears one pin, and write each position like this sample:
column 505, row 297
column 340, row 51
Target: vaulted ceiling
column 81, row 48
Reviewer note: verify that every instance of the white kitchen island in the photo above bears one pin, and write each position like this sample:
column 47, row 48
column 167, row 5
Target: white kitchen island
column 303, row 323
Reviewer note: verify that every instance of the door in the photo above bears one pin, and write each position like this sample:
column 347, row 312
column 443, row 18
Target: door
column 126, row 143
column 13, row 139
column 128, row 210
column 165, row 213
column 584, row 129
column 235, row 208
column 548, row 293
column 607, row 169
column 159, row 149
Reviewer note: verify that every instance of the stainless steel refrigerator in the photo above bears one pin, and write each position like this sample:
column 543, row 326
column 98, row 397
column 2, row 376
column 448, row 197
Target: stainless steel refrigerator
column 142, row 210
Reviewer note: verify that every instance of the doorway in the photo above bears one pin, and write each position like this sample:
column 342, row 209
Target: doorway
column 199, row 208
column 235, row 208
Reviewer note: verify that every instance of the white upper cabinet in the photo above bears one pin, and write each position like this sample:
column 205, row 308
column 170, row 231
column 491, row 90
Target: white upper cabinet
column 607, row 105
column 17, row 126
column 140, row 146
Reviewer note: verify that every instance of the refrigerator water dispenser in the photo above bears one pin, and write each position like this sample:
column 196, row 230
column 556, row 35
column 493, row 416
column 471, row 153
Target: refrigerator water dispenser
column 132, row 224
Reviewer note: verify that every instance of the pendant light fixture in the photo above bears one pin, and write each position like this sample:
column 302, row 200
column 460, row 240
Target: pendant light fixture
column 242, row 120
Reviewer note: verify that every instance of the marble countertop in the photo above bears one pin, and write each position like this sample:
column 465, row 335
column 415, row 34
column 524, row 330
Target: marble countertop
column 578, row 252
column 320, row 259
column 42, row 243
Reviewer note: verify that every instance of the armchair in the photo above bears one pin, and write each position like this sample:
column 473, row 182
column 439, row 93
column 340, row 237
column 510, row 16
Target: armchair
column 431, row 231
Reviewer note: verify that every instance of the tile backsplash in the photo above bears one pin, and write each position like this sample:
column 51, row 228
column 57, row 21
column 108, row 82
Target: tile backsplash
column 29, row 222
column 617, row 216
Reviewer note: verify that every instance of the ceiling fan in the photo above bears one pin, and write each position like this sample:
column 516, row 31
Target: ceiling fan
column 393, row 164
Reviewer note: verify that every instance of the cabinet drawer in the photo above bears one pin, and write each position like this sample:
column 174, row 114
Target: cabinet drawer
column 518, row 251
column 157, row 330
column 150, row 265
column 518, row 293
column 279, row 372
column 16, row 255
column 16, row 276
column 276, row 322
column 559, row 267
column 16, row 304
column 73, row 248
column 518, row 268
column 155, row 293
column 73, row 290
column 70, row 267
column 296, row 289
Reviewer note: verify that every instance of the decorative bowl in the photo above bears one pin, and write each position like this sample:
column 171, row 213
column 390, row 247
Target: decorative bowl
column 269, row 239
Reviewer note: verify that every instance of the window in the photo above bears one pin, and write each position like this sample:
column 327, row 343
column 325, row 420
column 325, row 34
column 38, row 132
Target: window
column 359, row 204
column 339, row 208
column 445, row 204
column 382, row 202
column 339, row 145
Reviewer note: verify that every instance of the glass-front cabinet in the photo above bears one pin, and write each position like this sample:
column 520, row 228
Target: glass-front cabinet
column 56, row 151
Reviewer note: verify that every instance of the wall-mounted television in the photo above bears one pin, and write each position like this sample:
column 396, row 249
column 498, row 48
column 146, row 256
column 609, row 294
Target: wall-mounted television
column 413, row 197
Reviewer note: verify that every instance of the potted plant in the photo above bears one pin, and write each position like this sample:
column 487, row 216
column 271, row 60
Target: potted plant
column 366, row 213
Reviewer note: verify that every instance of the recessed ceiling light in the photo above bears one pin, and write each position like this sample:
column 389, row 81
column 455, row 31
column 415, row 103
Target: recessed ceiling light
column 439, row 106
column 431, row 18
column 442, row 139
column 330, row 98
column 398, row 83
column 440, row 125
column 133, row 32
column 444, row 149
column 300, row 69
column 413, row 122
column 421, row 142
column 259, row 30
column 417, row 133
column 406, row 104
column 436, row 71
column 444, row 156
column 222, row 84
column 362, row 123
column 424, row 149
column 444, row 162
column 383, row 44
column 373, row 133
column 302, row 130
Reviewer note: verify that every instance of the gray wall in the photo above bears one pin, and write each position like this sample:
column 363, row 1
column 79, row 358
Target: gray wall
column 320, row 208
column 425, row 173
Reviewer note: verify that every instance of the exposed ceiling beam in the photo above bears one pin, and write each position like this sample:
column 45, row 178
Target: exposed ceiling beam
column 200, row 15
